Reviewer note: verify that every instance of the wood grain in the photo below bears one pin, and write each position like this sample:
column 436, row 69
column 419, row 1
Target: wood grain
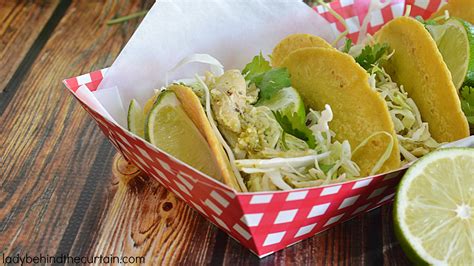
column 56, row 165
column 20, row 24
column 145, row 220
column 62, row 191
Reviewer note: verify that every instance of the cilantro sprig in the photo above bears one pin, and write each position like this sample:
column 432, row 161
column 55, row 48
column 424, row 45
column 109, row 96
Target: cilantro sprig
column 371, row 55
column 269, row 80
column 126, row 18
column 467, row 103
column 347, row 46
column 428, row 21
column 258, row 66
column 291, row 123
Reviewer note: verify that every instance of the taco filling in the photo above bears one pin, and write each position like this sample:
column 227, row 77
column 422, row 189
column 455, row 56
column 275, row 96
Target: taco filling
column 274, row 143
column 413, row 133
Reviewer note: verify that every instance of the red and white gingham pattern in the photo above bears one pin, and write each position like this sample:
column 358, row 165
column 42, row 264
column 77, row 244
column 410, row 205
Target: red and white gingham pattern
column 354, row 12
column 270, row 221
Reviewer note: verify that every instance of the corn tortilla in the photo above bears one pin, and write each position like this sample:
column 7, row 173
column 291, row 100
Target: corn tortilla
column 463, row 9
column 327, row 76
column 192, row 107
column 419, row 67
column 293, row 42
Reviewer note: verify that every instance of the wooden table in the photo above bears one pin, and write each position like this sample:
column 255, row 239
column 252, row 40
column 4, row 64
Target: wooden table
column 63, row 191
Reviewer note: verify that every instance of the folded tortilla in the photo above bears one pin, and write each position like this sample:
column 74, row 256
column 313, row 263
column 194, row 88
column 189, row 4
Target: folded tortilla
column 463, row 9
column 419, row 67
column 326, row 76
column 294, row 42
column 193, row 108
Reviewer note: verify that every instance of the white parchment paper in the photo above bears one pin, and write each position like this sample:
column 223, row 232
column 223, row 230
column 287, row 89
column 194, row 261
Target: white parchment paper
column 233, row 31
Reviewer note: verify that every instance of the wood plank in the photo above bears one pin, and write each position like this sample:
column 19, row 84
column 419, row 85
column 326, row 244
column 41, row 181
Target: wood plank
column 20, row 25
column 146, row 220
column 56, row 164
column 392, row 252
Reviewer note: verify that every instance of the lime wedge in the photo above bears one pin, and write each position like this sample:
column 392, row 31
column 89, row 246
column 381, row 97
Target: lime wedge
column 455, row 41
column 169, row 128
column 434, row 208
column 136, row 118
column 286, row 98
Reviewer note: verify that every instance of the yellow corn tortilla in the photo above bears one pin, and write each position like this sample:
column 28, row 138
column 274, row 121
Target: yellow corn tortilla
column 327, row 76
column 463, row 9
column 419, row 67
column 192, row 107
column 150, row 103
column 293, row 42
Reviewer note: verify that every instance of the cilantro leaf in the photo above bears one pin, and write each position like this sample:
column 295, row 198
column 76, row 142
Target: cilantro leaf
column 326, row 167
column 267, row 79
column 426, row 22
column 258, row 65
column 467, row 103
column 371, row 55
column 272, row 81
column 347, row 46
column 291, row 124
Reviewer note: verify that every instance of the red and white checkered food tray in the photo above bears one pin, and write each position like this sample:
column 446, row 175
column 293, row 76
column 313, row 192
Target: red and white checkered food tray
column 268, row 221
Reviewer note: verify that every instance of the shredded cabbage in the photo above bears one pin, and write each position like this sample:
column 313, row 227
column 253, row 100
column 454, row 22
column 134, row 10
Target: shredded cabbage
column 413, row 134
column 280, row 162
column 329, row 162
column 378, row 165
column 277, row 179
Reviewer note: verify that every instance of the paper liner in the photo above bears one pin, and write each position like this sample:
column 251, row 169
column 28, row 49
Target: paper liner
column 268, row 221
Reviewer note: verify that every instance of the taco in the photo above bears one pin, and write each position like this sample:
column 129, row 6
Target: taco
column 326, row 76
column 177, row 113
column 417, row 64
column 193, row 108
column 420, row 128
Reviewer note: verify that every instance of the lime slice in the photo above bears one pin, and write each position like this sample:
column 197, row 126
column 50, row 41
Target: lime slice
column 286, row 98
column 169, row 128
column 434, row 208
column 455, row 41
column 136, row 118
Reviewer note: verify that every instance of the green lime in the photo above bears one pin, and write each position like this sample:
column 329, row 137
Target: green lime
column 136, row 118
column 286, row 98
column 434, row 208
column 455, row 41
column 169, row 128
